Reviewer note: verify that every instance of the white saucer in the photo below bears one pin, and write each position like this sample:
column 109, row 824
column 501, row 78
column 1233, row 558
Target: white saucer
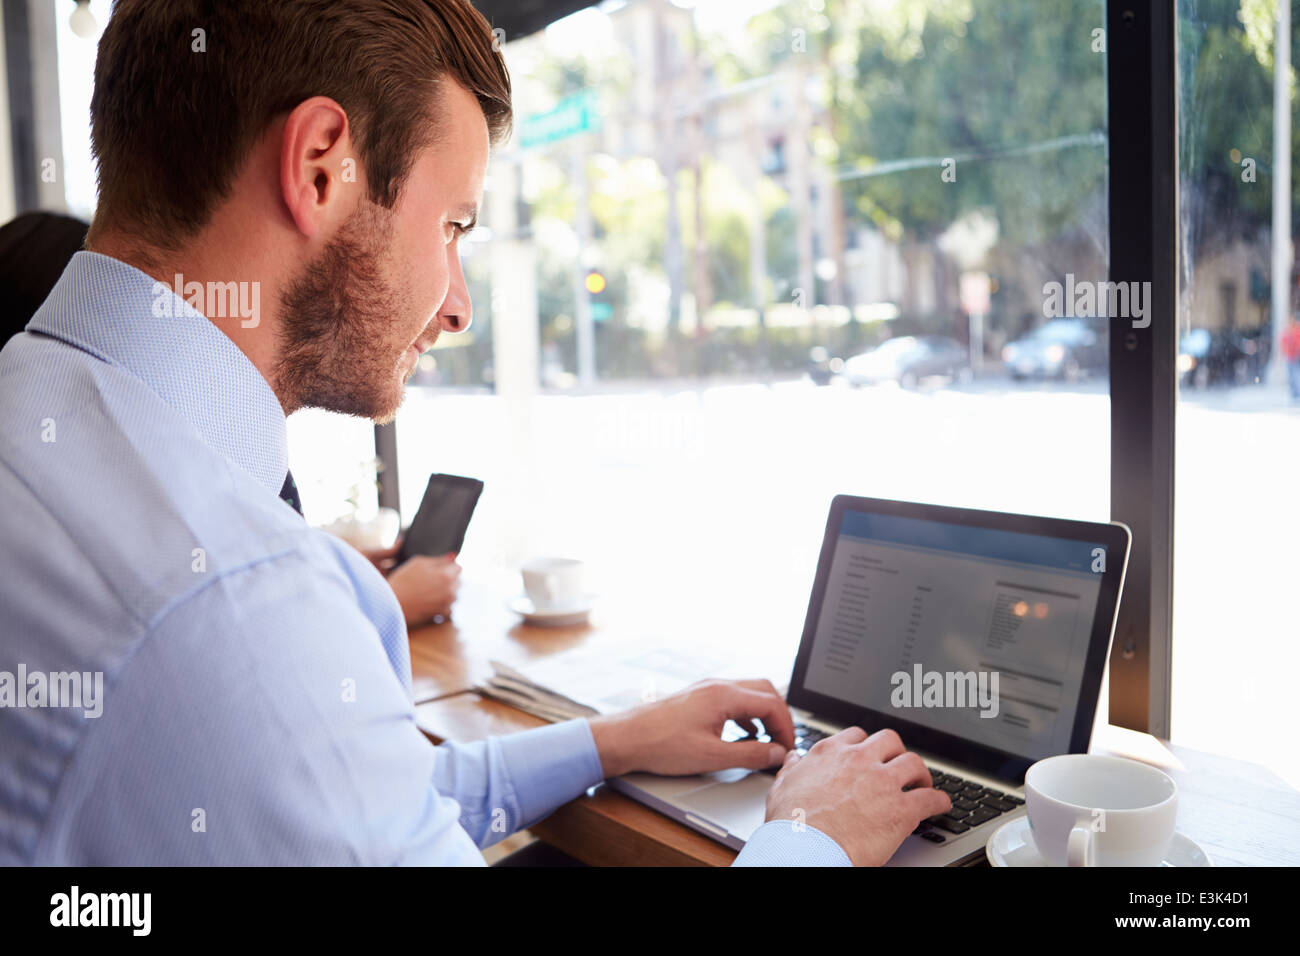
column 575, row 612
column 1013, row 845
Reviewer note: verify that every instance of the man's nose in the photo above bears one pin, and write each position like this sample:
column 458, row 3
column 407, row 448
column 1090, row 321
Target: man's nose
column 456, row 312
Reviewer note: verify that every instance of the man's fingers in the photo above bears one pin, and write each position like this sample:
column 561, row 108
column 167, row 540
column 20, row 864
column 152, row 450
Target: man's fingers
column 928, row 802
column 910, row 770
column 791, row 756
column 751, row 754
column 738, row 702
column 849, row 735
column 884, row 745
column 759, row 684
column 763, row 686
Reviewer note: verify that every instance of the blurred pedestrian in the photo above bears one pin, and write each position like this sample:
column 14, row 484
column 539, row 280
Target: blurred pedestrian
column 1291, row 354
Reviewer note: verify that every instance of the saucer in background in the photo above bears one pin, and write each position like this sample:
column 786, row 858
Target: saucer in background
column 566, row 615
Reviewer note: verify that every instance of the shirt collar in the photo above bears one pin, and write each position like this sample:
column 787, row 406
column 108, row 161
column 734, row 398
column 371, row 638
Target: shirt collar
column 121, row 315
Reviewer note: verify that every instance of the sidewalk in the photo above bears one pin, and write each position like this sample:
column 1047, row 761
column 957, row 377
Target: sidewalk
column 1268, row 397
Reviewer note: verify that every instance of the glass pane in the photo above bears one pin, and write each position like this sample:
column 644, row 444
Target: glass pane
column 332, row 459
column 1238, row 434
column 748, row 255
column 76, row 64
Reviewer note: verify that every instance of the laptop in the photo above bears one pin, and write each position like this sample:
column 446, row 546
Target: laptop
column 980, row 637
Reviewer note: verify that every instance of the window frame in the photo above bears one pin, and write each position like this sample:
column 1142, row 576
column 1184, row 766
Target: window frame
column 1142, row 139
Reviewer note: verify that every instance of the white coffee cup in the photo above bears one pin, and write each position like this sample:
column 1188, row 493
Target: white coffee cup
column 1098, row 810
column 553, row 583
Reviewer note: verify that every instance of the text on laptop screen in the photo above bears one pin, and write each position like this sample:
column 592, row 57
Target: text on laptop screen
column 975, row 632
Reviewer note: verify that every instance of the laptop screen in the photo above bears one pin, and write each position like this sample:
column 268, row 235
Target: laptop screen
column 971, row 631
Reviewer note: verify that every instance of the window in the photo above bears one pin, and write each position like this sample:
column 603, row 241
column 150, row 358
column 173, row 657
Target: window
column 1238, row 434
column 76, row 66
column 777, row 197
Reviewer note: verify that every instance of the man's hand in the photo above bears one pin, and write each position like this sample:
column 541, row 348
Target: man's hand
column 850, row 787
column 425, row 586
column 682, row 734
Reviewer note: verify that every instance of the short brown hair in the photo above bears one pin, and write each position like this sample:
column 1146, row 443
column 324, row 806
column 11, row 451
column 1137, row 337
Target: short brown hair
column 172, row 125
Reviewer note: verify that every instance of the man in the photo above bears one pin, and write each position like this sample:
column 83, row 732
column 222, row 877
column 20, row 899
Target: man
column 34, row 250
column 316, row 162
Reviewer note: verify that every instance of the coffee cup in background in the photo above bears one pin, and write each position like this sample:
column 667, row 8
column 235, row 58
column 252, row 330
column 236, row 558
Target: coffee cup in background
column 553, row 583
column 1098, row 810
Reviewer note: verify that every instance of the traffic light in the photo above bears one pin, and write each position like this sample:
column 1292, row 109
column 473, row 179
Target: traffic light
column 601, row 307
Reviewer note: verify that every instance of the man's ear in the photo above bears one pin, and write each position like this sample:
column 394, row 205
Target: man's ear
column 315, row 151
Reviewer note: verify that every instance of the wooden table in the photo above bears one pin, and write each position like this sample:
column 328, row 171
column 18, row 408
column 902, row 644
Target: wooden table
column 1240, row 813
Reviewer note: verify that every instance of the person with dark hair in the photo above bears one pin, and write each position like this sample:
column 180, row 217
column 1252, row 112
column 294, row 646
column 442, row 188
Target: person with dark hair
column 283, row 187
column 34, row 250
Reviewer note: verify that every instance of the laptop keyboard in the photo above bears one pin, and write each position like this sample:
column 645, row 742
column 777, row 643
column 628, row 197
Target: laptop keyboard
column 973, row 804
column 804, row 738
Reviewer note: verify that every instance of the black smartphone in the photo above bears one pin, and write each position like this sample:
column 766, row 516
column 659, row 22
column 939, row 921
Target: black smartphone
column 440, row 524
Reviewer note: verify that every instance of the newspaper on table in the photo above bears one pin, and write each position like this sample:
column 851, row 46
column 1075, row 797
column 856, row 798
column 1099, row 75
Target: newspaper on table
column 583, row 683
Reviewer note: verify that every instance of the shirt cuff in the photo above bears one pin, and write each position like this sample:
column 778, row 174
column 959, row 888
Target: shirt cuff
column 551, row 765
column 779, row 843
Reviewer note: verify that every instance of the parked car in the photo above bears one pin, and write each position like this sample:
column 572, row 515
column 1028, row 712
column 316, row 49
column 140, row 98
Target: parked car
column 1224, row 357
column 908, row 359
column 1067, row 349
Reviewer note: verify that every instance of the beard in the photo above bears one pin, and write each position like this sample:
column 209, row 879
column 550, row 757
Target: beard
column 341, row 323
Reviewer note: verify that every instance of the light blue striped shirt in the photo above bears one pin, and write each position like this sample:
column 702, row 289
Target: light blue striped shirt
column 256, row 680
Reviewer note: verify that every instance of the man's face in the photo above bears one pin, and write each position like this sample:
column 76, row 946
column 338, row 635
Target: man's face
column 356, row 319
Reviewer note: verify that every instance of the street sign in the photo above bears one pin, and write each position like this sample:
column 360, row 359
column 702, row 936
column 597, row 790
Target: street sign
column 574, row 114
column 975, row 299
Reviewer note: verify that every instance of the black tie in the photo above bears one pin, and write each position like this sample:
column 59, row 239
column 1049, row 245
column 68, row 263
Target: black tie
column 290, row 493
